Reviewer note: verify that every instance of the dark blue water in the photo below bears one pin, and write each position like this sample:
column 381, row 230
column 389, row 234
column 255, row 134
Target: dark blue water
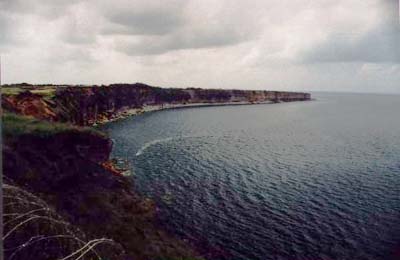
column 302, row 180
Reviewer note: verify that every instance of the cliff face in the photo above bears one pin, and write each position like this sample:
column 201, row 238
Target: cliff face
column 88, row 105
column 97, row 103
column 65, row 168
column 27, row 103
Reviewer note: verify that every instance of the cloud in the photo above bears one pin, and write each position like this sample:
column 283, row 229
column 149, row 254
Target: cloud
column 50, row 9
column 6, row 36
column 280, row 44
column 77, row 25
column 14, row 32
column 379, row 44
column 181, row 25
column 144, row 22
column 182, row 40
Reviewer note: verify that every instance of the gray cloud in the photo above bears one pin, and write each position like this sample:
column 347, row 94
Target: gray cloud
column 50, row 9
column 12, row 33
column 185, row 39
column 284, row 44
column 161, row 29
column 77, row 27
column 380, row 44
column 147, row 22
column 5, row 35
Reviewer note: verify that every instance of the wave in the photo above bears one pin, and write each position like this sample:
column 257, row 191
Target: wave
column 151, row 143
column 165, row 140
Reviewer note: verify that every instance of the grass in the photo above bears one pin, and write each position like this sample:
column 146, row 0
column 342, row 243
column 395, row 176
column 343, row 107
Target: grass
column 11, row 90
column 15, row 125
column 44, row 91
column 34, row 230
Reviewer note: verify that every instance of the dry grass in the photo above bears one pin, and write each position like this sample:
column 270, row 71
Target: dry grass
column 33, row 230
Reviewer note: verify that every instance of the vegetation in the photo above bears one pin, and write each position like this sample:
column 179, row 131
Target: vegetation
column 45, row 91
column 11, row 90
column 34, row 230
column 16, row 125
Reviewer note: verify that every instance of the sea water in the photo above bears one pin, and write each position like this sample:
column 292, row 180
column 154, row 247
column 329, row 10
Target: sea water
column 303, row 180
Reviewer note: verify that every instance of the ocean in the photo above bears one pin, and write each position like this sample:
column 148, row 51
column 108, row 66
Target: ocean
column 302, row 180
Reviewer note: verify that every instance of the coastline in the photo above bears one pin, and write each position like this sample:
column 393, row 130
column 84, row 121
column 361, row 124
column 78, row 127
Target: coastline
column 94, row 105
column 54, row 136
column 129, row 112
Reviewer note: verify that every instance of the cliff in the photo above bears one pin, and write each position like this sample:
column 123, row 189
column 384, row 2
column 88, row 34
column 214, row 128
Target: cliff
column 58, row 172
column 63, row 195
column 97, row 104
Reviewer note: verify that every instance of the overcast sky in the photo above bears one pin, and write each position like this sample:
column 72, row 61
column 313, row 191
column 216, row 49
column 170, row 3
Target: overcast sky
column 327, row 45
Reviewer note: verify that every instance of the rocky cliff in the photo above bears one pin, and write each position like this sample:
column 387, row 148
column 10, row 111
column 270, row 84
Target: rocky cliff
column 60, row 183
column 94, row 104
column 52, row 169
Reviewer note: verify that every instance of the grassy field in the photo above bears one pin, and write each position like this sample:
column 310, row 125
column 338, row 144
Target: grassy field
column 45, row 91
column 16, row 125
column 11, row 90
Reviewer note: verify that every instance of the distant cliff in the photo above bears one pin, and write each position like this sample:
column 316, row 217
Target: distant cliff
column 96, row 104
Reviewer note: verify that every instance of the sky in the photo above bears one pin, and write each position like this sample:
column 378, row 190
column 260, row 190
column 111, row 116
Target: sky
column 298, row 45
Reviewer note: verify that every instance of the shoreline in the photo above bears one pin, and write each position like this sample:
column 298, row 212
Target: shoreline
column 96, row 105
column 129, row 112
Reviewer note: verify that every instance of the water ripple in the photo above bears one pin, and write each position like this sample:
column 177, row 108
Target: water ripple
column 274, row 182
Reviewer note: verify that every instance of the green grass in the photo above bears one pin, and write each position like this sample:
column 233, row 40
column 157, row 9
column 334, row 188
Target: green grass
column 15, row 125
column 44, row 91
column 11, row 90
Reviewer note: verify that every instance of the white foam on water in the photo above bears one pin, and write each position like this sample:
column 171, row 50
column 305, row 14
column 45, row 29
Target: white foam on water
column 151, row 143
column 164, row 140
